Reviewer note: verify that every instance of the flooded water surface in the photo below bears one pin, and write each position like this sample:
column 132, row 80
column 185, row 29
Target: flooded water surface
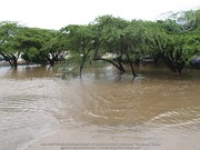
column 41, row 110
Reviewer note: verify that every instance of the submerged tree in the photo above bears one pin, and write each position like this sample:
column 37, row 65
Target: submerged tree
column 22, row 41
column 54, row 49
column 8, row 32
column 123, row 39
column 29, row 41
column 173, row 40
column 79, row 39
column 108, row 31
column 177, row 49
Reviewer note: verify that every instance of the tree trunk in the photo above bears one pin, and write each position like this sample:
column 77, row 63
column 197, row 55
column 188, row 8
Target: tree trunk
column 110, row 61
column 81, row 65
column 51, row 61
column 14, row 62
column 85, row 55
column 121, row 66
column 131, row 65
column 11, row 64
column 7, row 58
column 179, row 71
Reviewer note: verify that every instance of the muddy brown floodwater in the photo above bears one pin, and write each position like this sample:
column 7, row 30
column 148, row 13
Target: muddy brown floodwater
column 39, row 110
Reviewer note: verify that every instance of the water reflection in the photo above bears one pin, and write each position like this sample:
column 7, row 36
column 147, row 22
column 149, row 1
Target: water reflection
column 25, row 72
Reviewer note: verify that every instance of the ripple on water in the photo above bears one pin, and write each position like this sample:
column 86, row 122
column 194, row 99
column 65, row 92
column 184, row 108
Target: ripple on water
column 145, row 102
column 184, row 119
column 32, row 105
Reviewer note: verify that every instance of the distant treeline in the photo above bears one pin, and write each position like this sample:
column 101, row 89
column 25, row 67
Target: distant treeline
column 173, row 39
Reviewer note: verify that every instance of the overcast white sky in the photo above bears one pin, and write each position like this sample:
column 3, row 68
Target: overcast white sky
column 55, row 14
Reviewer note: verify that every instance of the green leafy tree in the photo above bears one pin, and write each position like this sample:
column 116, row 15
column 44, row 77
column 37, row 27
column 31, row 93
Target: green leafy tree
column 80, row 42
column 29, row 42
column 114, row 39
column 8, row 31
column 55, row 48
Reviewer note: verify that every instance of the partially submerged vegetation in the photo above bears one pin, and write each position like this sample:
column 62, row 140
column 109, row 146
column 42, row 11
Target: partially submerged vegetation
column 174, row 43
